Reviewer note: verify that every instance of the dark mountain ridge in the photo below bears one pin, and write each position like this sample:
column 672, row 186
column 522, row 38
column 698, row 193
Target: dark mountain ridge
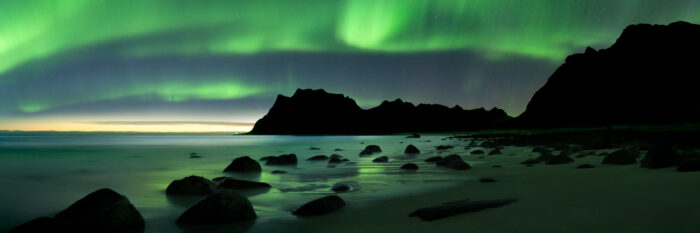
column 318, row 112
column 648, row 76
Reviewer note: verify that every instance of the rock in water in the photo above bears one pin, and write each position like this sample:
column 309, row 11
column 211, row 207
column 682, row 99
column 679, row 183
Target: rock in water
column 487, row 180
column 411, row 149
column 477, row 152
column 371, row 149
column 621, row 157
column 495, row 152
column 409, row 166
column 340, row 187
column 191, row 185
column 433, row 159
column 320, row 206
column 243, row 164
column 223, row 207
column 44, row 224
column 318, row 158
column 458, row 165
column 660, row 157
column 458, row 207
column 103, row 211
column 448, row 159
column 382, row 159
column 236, row 184
column 559, row 159
column 584, row 166
column 288, row 159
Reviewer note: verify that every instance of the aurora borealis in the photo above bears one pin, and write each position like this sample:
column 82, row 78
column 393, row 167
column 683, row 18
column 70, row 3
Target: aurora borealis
column 75, row 64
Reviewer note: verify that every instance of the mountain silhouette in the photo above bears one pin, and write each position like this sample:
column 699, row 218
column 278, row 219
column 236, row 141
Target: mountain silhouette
column 318, row 112
column 647, row 77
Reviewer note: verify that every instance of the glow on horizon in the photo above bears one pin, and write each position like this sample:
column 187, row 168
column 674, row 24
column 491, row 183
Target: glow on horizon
column 178, row 127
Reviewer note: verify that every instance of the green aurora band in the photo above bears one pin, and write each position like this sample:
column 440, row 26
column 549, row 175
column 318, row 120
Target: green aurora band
column 548, row 30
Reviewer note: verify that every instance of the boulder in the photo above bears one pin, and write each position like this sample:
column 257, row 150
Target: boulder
column 288, row 159
column 447, row 159
column 621, row 157
column 223, row 207
column 382, row 159
column 457, row 207
column 335, row 158
column 236, row 184
column 411, row 149
column 318, row 158
column 458, row 165
column 477, row 152
column 340, row 187
column 433, row 159
column 443, row 147
column 320, row 206
column 371, row 149
column 660, row 157
column 487, row 180
column 243, row 164
column 409, row 166
column 689, row 165
column 559, row 159
column 191, row 185
column 103, row 210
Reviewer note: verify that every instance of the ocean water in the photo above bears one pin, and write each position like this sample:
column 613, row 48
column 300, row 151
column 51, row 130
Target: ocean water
column 41, row 175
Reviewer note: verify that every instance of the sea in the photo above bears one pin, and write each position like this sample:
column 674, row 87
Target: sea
column 41, row 175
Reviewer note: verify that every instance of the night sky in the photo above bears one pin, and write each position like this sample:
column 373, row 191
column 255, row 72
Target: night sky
column 185, row 65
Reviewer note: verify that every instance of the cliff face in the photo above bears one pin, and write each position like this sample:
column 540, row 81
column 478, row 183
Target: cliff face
column 647, row 77
column 318, row 112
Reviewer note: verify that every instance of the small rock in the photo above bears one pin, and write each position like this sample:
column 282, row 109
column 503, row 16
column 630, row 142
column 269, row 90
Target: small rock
column 411, row 149
column 433, row 159
column 559, row 159
column 236, row 184
column 409, row 166
column 278, row 172
column 340, row 187
column 443, row 147
column 243, row 164
column 382, row 159
column 531, row 162
column 495, row 152
column 447, row 159
column 320, row 206
column 191, row 185
column 318, row 158
column 477, row 152
column 288, row 159
column 487, row 180
column 338, row 149
column 621, row 157
column 371, row 149
column 223, row 207
column 314, row 148
column 496, row 166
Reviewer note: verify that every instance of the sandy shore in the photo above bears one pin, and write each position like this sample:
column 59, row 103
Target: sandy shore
column 553, row 198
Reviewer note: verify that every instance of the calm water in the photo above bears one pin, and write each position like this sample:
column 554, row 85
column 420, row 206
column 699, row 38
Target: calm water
column 41, row 175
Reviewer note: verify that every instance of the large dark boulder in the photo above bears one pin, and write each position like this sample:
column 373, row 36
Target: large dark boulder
column 320, row 206
column 411, row 149
column 243, row 164
column 457, row 207
column 447, row 159
column 288, row 159
column 661, row 157
column 621, row 157
column 647, row 77
column 103, row 210
column 191, row 185
column 223, row 207
column 236, row 184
